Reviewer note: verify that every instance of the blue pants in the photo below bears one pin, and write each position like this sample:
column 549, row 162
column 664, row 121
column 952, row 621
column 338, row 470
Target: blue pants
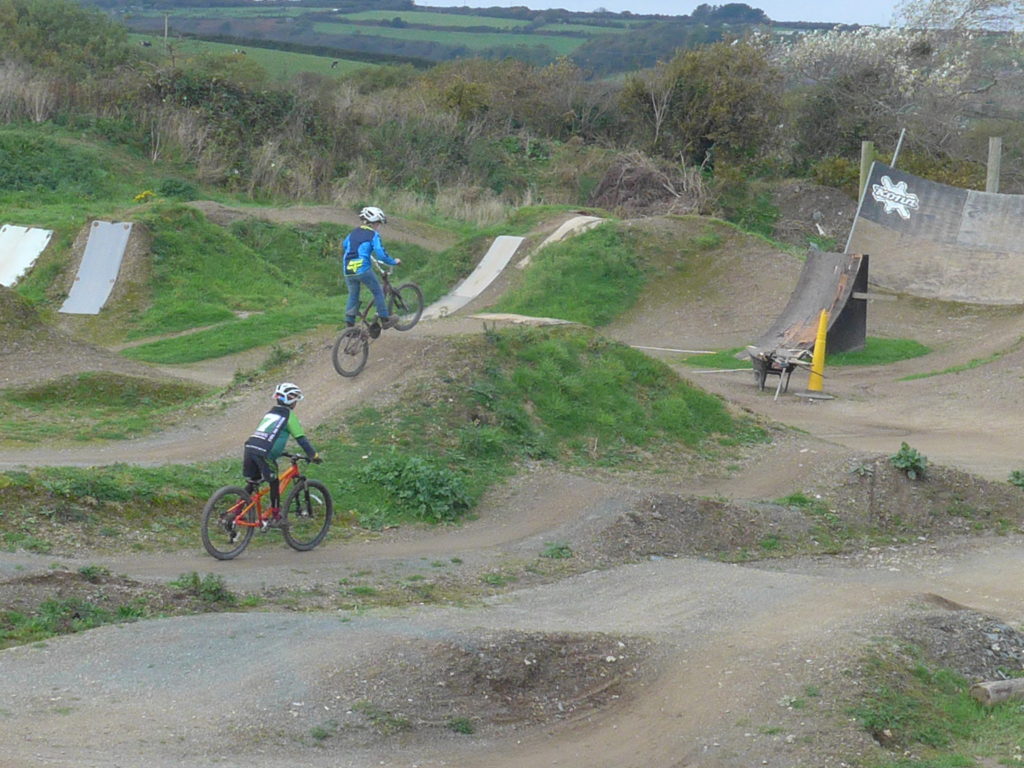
column 354, row 282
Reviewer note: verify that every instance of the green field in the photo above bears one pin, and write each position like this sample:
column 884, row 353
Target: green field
column 587, row 29
column 280, row 65
column 562, row 46
column 241, row 12
column 433, row 19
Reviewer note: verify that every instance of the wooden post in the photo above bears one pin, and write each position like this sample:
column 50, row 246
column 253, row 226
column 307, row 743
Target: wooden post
column 995, row 155
column 867, row 156
column 998, row 690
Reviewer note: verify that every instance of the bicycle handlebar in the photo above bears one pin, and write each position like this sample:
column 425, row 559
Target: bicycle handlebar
column 297, row 457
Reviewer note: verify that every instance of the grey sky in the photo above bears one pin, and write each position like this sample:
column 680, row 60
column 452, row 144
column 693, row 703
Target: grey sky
column 839, row 11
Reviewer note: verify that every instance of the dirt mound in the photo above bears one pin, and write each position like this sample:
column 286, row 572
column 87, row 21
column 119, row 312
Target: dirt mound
column 808, row 210
column 944, row 501
column 861, row 497
column 975, row 646
column 476, row 682
column 16, row 315
column 663, row 525
column 93, row 595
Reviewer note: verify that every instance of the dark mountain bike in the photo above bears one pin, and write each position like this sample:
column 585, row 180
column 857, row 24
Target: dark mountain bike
column 352, row 347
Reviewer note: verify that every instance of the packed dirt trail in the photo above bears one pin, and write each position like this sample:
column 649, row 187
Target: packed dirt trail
column 713, row 648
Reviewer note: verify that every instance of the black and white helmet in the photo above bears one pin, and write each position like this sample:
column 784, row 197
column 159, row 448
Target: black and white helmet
column 287, row 393
column 371, row 214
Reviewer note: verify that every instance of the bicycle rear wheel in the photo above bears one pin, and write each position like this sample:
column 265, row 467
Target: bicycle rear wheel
column 406, row 301
column 309, row 511
column 221, row 537
column 350, row 352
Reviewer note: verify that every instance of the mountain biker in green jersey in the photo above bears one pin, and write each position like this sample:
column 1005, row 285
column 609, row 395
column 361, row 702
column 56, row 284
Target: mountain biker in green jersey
column 267, row 443
column 358, row 250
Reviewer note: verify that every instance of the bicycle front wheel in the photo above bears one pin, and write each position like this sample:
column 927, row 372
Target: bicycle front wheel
column 221, row 536
column 350, row 352
column 406, row 301
column 309, row 511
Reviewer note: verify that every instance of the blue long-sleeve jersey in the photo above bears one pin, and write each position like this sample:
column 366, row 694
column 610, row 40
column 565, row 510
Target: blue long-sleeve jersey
column 359, row 247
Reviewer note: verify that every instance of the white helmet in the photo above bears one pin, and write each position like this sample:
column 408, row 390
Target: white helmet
column 287, row 393
column 371, row 214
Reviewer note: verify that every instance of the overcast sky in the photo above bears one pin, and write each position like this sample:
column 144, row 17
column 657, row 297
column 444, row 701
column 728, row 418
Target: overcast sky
column 839, row 11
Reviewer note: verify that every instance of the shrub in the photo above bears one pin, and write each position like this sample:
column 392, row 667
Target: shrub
column 428, row 492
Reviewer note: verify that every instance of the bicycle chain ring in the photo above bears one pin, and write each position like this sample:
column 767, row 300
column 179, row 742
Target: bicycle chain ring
column 375, row 329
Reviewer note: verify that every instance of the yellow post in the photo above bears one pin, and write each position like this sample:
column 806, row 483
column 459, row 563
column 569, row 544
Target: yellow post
column 817, row 379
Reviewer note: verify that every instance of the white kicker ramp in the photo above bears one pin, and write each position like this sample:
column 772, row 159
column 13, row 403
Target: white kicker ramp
column 19, row 249
column 98, row 271
column 494, row 261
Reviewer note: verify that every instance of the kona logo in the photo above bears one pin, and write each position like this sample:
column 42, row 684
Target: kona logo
column 895, row 197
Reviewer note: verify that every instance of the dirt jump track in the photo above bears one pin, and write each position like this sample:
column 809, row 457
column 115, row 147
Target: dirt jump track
column 677, row 660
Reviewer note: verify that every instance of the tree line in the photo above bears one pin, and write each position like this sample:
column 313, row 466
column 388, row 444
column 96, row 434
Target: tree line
column 709, row 121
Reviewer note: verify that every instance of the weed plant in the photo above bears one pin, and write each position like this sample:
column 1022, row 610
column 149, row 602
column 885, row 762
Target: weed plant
column 909, row 461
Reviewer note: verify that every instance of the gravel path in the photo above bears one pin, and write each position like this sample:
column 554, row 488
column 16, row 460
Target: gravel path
column 730, row 644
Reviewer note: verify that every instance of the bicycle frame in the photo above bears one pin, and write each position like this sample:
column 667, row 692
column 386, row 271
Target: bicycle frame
column 283, row 480
column 385, row 284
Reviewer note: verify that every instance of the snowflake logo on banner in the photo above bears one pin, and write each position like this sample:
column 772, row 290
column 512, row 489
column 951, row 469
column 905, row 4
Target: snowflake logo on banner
column 895, row 197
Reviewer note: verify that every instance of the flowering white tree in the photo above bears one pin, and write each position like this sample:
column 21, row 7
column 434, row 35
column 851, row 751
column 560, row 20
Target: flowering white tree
column 960, row 14
column 934, row 76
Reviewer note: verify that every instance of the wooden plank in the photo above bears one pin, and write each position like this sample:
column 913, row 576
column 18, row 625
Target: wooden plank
column 873, row 296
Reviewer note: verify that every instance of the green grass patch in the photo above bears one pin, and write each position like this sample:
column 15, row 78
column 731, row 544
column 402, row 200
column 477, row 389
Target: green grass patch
column 54, row 617
column 239, row 335
column 46, row 169
column 915, row 706
column 113, row 508
column 93, row 406
column 879, row 351
column 250, row 285
column 876, row 351
column 722, row 359
column 590, row 278
column 970, row 365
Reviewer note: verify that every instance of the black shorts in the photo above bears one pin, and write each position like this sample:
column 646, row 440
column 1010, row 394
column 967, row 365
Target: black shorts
column 256, row 466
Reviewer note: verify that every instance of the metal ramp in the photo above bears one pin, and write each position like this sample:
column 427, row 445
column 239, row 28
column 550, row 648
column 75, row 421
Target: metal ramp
column 494, row 261
column 98, row 271
column 19, row 249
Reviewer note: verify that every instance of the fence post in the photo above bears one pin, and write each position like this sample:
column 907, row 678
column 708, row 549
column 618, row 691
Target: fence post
column 995, row 155
column 867, row 155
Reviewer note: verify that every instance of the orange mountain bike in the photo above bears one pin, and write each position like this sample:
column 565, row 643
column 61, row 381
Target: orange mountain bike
column 233, row 513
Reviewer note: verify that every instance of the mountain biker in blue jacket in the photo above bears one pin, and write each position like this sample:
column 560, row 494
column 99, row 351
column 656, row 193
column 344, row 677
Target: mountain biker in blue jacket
column 358, row 250
column 267, row 443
